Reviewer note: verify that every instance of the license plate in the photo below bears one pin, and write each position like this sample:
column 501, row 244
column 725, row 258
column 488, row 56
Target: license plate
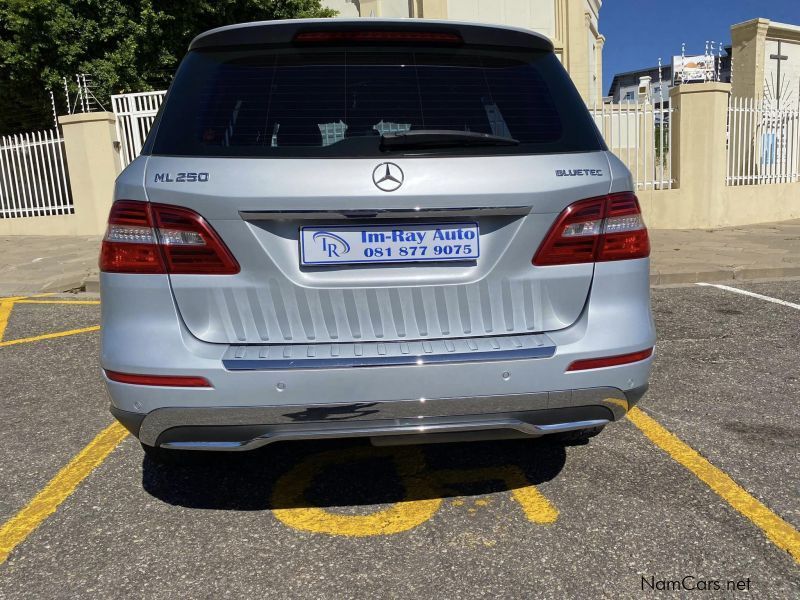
column 391, row 243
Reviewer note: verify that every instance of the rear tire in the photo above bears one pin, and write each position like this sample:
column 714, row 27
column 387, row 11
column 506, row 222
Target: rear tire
column 578, row 436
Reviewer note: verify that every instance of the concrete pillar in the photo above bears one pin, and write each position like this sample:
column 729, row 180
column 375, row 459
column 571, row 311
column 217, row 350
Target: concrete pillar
column 699, row 123
column 644, row 88
column 434, row 9
column 601, row 41
column 395, row 9
column 748, row 40
column 93, row 163
column 576, row 48
column 369, row 8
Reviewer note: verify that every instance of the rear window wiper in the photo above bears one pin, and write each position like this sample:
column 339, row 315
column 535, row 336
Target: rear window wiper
column 438, row 138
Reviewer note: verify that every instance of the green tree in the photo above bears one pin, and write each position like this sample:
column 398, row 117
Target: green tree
column 123, row 45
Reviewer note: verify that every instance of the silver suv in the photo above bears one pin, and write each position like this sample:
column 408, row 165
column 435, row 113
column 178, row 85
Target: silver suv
column 403, row 230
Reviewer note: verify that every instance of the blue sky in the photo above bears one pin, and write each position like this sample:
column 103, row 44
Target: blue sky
column 639, row 31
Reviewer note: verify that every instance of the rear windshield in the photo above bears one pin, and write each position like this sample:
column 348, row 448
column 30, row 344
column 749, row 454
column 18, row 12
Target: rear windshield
column 338, row 101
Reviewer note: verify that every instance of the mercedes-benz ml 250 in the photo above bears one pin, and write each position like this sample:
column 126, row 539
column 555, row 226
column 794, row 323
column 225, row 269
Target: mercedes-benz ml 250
column 402, row 230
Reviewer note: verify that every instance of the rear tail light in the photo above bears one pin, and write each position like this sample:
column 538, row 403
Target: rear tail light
column 157, row 238
column 610, row 361
column 596, row 230
column 129, row 245
column 378, row 36
column 160, row 380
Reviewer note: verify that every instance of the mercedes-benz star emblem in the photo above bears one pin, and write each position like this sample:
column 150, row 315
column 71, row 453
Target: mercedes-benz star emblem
column 387, row 177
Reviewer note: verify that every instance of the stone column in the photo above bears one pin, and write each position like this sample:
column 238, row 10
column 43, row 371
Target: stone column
column 748, row 41
column 699, row 123
column 601, row 41
column 93, row 163
column 434, row 9
column 367, row 8
column 576, row 48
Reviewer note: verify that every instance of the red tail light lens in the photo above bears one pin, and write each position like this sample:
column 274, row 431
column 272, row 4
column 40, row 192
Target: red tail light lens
column 158, row 238
column 624, row 232
column 162, row 380
column 378, row 36
column 575, row 236
column 610, row 361
column 189, row 244
column 129, row 245
column 596, row 230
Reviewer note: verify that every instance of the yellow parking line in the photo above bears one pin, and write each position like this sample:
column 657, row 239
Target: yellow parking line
column 7, row 305
column 20, row 526
column 5, row 312
column 781, row 533
column 15, row 298
column 418, row 505
column 49, row 336
column 536, row 507
column 57, row 302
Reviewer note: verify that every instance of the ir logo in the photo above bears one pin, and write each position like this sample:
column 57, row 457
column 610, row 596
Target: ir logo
column 332, row 244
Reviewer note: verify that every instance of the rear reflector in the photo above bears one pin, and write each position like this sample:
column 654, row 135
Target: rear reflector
column 596, row 230
column 610, row 361
column 158, row 238
column 378, row 36
column 159, row 380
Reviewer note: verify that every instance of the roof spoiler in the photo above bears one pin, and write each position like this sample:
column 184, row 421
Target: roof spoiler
column 284, row 32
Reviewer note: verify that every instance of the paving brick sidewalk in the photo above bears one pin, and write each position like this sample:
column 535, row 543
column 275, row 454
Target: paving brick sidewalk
column 30, row 264
column 44, row 263
column 764, row 251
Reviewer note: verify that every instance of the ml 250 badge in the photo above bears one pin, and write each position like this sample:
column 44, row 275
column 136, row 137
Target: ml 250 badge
column 181, row 178
column 579, row 172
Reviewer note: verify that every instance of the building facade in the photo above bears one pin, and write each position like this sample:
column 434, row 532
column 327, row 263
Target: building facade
column 625, row 87
column 766, row 63
column 762, row 63
column 572, row 25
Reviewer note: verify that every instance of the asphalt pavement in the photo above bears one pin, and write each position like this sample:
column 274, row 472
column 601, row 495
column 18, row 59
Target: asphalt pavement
column 625, row 516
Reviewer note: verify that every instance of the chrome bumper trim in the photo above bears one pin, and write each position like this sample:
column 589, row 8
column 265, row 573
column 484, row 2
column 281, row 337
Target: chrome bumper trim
column 313, row 420
column 384, row 430
column 385, row 361
column 383, row 213
column 383, row 354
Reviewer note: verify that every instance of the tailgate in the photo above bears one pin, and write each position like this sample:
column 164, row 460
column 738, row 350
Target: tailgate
column 259, row 207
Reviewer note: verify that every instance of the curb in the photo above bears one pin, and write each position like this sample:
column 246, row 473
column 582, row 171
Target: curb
column 68, row 282
column 92, row 283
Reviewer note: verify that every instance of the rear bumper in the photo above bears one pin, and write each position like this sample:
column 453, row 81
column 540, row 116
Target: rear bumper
column 142, row 333
column 245, row 428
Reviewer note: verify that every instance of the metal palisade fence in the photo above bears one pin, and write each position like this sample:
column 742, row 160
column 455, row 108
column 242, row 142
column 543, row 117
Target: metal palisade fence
column 639, row 134
column 33, row 175
column 763, row 143
column 135, row 114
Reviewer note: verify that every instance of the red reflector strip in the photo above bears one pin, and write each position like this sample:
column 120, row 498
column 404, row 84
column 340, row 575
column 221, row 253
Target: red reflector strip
column 161, row 380
column 378, row 36
column 610, row 361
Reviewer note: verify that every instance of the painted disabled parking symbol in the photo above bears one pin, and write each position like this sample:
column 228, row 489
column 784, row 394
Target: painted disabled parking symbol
column 423, row 490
